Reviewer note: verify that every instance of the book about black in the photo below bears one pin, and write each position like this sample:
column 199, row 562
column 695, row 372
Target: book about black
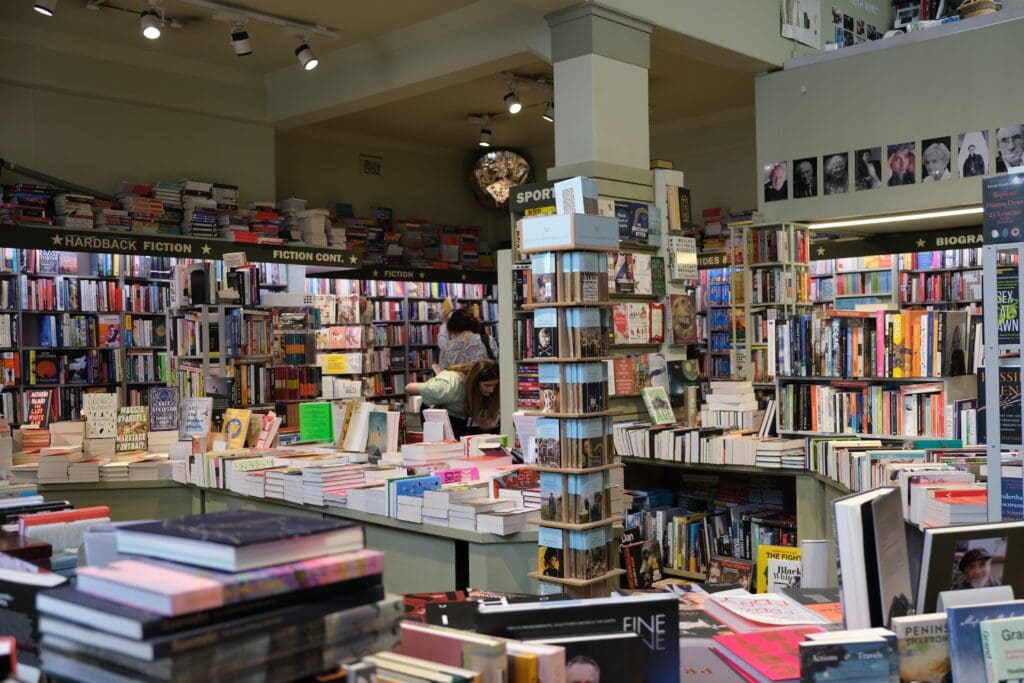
column 239, row 539
column 130, row 622
column 210, row 635
column 654, row 617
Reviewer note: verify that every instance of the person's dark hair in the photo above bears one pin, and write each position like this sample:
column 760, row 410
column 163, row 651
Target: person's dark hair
column 550, row 554
column 479, row 406
column 582, row 659
column 462, row 320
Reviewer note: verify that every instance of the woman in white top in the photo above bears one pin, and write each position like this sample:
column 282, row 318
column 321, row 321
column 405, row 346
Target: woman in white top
column 468, row 392
column 462, row 340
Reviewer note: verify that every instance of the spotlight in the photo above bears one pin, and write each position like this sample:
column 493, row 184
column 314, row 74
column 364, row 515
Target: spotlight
column 45, row 7
column 549, row 112
column 306, row 57
column 150, row 21
column 485, row 137
column 240, row 41
column 512, row 102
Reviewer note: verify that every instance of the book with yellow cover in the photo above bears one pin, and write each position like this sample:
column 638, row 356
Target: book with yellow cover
column 782, row 560
column 236, row 426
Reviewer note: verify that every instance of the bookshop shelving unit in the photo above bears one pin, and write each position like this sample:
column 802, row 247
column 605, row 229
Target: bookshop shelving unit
column 776, row 280
column 574, row 450
column 74, row 321
column 721, row 314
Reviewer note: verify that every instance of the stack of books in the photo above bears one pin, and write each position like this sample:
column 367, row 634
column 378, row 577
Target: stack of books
column 54, row 463
column 73, row 210
column 114, row 471
column 730, row 405
column 226, row 196
column 31, row 204
column 109, row 217
column 200, row 218
column 145, row 211
column 336, row 235
column 235, row 227
column 790, row 454
column 290, row 209
column 312, row 224
column 169, row 194
column 261, row 594
column 321, row 480
column 265, row 221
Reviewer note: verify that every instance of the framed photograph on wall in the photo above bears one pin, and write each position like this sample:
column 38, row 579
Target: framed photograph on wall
column 1009, row 147
column 901, row 164
column 935, row 160
column 972, row 153
column 805, row 178
column 835, row 173
column 868, row 168
column 776, row 181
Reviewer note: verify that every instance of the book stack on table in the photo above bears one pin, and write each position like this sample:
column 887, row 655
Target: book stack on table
column 228, row 596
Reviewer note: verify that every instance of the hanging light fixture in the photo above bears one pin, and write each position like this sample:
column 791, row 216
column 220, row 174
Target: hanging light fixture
column 549, row 112
column 306, row 57
column 240, row 40
column 45, row 7
column 151, row 24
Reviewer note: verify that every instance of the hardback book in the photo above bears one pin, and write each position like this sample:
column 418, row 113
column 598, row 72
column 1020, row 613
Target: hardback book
column 546, row 333
column 454, row 647
column 658, row 276
column 109, row 331
column 769, row 656
column 787, row 567
column 683, row 314
column 969, row 556
column 100, row 415
column 853, row 657
column 967, row 657
column 603, row 657
column 237, row 540
column 132, row 429
column 643, row 564
column 659, row 407
column 236, row 426
column 551, row 497
column 730, row 570
column 196, row 417
column 873, row 558
column 922, row 642
column 172, row 590
column 1000, row 642
column 821, row 601
column 269, row 425
column 163, row 409
column 550, row 552
column 748, row 612
column 620, row 273
column 654, row 617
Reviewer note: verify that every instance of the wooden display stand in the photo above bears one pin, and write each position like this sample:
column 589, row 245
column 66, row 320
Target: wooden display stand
column 575, row 540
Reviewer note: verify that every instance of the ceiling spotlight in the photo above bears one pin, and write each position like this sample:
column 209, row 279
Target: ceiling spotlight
column 240, row 40
column 45, row 7
column 512, row 102
column 306, row 57
column 150, row 21
column 485, row 137
column 549, row 112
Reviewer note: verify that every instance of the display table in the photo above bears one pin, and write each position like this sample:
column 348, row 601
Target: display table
column 420, row 557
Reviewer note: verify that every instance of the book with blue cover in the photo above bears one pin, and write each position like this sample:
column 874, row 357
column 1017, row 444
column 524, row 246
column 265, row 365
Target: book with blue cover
column 965, row 646
column 163, row 409
column 872, row 660
column 410, row 486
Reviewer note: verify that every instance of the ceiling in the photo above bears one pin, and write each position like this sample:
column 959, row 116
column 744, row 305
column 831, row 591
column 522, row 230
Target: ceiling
column 206, row 39
column 680, row 88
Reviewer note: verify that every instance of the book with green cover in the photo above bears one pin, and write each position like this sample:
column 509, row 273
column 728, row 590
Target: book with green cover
column 659, row 407
column 1001, row 645
column 315, row 421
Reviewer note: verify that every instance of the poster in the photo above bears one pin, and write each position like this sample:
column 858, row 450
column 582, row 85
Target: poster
column 801, row 21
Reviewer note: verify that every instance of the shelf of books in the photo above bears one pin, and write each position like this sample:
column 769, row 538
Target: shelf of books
column 721, row 314
column 568, row 303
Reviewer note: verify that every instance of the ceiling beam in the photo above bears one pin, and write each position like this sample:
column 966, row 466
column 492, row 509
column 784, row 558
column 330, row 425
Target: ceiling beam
column 456, row 47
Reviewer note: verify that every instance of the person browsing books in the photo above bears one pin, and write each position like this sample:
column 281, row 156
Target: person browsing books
column 469, row 393
column 463, row 340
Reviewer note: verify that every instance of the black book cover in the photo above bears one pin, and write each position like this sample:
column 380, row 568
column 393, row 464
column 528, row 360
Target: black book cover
column 239, row 528
column 653, row 617
column 545, row 342
column 615, row 657
column 250, row 626
column 151, row 625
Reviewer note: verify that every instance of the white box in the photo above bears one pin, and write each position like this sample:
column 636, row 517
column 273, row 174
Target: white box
column 576, row 195
column 568, row 231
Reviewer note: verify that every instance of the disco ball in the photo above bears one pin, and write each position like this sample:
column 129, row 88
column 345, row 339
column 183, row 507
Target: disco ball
column 495, row 173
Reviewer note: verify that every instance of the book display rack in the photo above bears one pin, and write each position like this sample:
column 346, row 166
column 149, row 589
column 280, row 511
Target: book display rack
column 570, row 314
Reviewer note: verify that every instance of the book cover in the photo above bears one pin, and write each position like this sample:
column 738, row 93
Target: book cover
column 45, row 367
column 550, row 552
column 38, row 408
column 965, row 647
column 549, row 376
column 1001, row 641
column 238, row 528
column 770, row 655
column 730, row 570
column 1008, row 310
column 643, row 564
column 315, row 421
column 236, row 426
column 588, row 552
column 1009, row 405
column 110, row 333
column 197, row 414
column 163, row 409
column 622, row 276
column 871, row 661
column 544, row 269
column 545, row 333
column 683, row 312
column 659, row 407
column 922, row 641
column 615, row 657
column 132, row 428
column 788, row 559
column 100, row 415
column 548, row 442
column 377, row 435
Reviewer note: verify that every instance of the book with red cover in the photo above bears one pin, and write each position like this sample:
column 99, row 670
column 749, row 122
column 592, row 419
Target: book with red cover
column 767, row 656
column 62, row 516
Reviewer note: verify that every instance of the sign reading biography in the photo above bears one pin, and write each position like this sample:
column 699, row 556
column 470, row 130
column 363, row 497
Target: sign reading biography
column 1003, row 200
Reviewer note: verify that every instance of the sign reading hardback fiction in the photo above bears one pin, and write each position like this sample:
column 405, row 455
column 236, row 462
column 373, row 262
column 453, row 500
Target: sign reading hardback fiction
column 1003, row 199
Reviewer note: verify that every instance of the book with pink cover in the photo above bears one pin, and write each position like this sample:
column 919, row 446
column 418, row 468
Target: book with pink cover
column 453, row 647
column 769, row 656
column 172, row 589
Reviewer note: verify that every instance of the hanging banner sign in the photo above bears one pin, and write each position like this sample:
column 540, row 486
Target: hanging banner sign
column 1003, row 200
column 897, row 243
column 401, row 273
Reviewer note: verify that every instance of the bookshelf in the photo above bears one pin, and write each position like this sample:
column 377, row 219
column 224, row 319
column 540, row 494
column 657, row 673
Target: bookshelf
column 721, row 313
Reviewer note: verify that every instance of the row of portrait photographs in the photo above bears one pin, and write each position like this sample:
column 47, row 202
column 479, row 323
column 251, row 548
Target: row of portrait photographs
column 900, row 167
column 852, row 31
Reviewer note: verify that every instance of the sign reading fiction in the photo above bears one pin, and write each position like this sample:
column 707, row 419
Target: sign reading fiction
column 385, row 272
column 40, row 237
column 1003, row 200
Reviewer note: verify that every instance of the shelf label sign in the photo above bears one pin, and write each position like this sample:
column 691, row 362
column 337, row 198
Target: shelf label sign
column 1003, row 201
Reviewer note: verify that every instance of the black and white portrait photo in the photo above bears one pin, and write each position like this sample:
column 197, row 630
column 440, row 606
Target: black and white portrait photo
column 935, row 158
column 972, row 153
column 805, row 178
column 1009, row 148
column 901, row 165
column 776, row 183
column 835, row 173
column 868, row 168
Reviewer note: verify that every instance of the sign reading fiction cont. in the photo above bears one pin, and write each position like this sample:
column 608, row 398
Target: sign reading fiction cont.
column 1003, row 200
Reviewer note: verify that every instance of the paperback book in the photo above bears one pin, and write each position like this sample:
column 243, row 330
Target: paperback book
column 132, row 429
column 163, row 409
column 100, row 415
